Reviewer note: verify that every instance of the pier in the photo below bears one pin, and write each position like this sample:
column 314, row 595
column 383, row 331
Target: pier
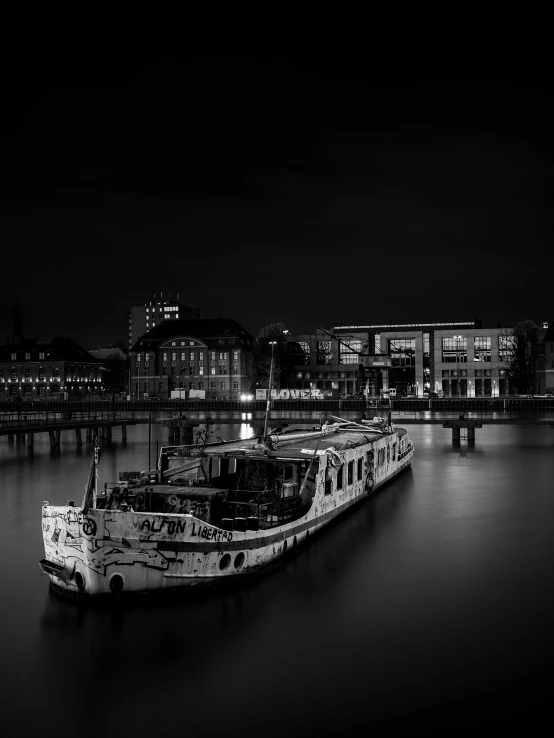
column 23, row 427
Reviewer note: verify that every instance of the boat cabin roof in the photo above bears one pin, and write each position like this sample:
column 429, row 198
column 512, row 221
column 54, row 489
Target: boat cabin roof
column 299, row 448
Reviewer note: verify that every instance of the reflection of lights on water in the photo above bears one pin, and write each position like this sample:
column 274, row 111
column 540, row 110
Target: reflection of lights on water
column 246, row 430
column 246, row 416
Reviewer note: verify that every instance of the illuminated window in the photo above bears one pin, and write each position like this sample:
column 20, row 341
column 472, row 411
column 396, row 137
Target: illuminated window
column 482, row 348
column 506, row 348
column 350, row 353
column 41, row 356
column 402, row 351
column 14, row 357
column 325, row 353
column 212, row 370
column 454, row 349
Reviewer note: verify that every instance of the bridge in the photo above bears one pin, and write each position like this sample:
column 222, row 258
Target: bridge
column 25, row 419
column 100, row 424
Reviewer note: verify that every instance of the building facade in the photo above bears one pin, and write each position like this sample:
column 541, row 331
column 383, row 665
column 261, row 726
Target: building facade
column 214, row 355
column 54, row 367
column 457, row 359
column 144, row 317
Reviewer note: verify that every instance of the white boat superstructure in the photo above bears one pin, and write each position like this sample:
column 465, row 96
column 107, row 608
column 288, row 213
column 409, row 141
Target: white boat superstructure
column 226, row 509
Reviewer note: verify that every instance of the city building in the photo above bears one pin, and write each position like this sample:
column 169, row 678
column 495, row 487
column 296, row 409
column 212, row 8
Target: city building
column 544, row 370
column 144, row 317
column 53, row 366
column 214, row 355
column 454, row 359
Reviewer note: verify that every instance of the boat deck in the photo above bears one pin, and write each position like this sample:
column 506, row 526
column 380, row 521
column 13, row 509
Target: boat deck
column 296, row 446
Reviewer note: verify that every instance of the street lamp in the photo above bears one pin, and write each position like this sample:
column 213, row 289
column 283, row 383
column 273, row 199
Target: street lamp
column 272, row 344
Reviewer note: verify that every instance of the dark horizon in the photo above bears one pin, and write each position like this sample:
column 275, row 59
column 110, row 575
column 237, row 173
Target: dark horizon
column 274, row 170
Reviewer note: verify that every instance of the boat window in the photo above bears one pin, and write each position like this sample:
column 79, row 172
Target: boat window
column 388, row 454
column 360, row 468
column 350, row 472
column 328, row 486
column 339, row 477
column 393, row 451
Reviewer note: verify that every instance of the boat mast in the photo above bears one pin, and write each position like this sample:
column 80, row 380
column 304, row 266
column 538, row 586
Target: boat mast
column 272, row 344
column 91, row 490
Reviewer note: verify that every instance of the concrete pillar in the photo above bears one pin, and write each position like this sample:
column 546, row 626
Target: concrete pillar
column 78, row 437
column 58, row 436
column 455, row 435
column 52, row 439
column 123, row 432
column 89, row 434
column 108, row 433
column 471, row 435
column 30, row 439
column 11, row 439
column 20, row 437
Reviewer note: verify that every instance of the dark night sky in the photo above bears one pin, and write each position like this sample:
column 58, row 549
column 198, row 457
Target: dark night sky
column 273, row 169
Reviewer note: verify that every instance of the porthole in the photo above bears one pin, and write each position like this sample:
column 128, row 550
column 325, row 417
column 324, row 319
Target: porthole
column 239, row 560
column 116, row 584
column 225, row 561
column 80, row 581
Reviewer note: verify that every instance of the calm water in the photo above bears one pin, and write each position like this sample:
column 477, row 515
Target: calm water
column 430, row 605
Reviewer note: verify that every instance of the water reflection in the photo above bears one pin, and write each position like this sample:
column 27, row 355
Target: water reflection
column 431, row 600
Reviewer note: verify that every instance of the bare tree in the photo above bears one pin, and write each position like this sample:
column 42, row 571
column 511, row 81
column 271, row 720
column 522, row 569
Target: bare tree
column 268, row 333
column 519, row 348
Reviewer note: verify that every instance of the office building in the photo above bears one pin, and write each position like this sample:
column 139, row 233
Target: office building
column 454, row 359
column 144, row 317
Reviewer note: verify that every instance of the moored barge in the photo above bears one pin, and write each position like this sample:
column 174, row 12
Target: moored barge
column 218, row 510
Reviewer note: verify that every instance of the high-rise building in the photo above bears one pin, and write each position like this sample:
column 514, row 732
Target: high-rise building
column 143, row 318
